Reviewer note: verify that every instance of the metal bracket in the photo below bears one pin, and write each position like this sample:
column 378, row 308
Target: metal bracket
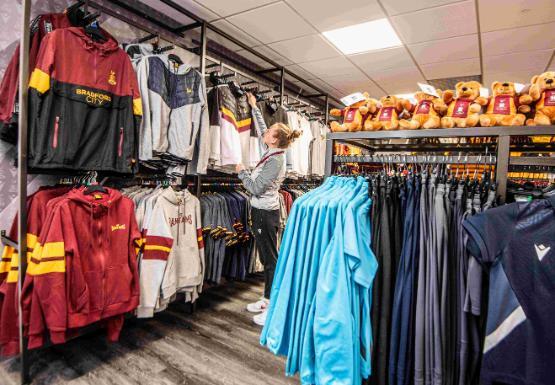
column 187, row 27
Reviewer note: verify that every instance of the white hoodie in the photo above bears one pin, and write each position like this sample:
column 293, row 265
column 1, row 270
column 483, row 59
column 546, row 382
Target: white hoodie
column 173, row 257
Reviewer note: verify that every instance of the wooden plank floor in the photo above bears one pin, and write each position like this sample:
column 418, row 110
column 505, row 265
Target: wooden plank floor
column 217, row 344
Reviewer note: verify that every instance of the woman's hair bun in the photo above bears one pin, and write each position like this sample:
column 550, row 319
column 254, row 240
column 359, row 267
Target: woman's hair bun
column 294, row 135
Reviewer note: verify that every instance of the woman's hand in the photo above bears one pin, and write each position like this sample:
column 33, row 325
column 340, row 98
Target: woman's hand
column 239, row 168
column 251, row 99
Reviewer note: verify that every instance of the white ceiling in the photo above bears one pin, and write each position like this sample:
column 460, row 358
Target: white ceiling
column 506, row 40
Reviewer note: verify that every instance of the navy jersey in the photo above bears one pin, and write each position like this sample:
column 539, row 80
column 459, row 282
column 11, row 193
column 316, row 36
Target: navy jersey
column 517, row 243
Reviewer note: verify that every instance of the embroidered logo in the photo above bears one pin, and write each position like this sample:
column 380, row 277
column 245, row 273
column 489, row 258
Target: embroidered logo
column 112, row 78
column 549, row 98
column 541, row 251
column 93, row 97
column 174, row 221
column 118, row 227
column 189, row 90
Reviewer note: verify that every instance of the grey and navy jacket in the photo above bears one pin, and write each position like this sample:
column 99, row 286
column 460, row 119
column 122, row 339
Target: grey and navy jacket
column 265, row 179
column 175, row 112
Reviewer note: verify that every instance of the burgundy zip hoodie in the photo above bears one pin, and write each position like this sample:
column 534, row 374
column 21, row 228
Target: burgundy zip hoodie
column 84, row 266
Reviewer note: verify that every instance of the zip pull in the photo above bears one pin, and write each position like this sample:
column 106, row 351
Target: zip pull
column 120, row 144
column 56, row 130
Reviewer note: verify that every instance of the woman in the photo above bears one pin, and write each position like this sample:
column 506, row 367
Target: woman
column 263, row 183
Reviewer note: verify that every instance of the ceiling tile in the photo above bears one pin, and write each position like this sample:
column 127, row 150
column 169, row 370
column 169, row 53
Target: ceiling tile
column 519, row 76
column 448, row 69
column 395, row 87
column 300, row 71
column 267, row 23
column 404, row 74
column 531, row 38
column 229, row 28
column 306, row 48
column 455, row 48
column 271, row 54
column 329, row 67
column 326, row 15
column 396, row 7
column 437, row 23
column 535, row 60
column 199, row 10
column 376, row 61
column 500, row 14
column 226, row 8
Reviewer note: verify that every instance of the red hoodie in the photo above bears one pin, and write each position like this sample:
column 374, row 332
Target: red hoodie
column 37, row 211
column 84, row 266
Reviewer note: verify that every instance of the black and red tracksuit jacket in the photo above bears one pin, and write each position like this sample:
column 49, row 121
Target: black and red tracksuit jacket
column 84, row 105
column 40, row 27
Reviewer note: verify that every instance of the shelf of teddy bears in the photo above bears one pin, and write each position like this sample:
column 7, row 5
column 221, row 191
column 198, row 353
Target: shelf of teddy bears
column 445, row 132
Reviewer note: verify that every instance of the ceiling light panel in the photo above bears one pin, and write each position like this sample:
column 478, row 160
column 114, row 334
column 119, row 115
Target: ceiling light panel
column 356, row 38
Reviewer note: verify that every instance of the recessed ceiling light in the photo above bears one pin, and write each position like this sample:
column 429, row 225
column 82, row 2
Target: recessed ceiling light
column 364, row 37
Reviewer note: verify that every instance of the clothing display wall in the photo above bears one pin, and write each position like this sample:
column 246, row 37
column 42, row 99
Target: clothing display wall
column 75, row 237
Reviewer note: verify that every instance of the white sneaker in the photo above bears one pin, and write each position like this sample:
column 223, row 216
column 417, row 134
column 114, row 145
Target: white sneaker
column 258, row 306
column 260, row 319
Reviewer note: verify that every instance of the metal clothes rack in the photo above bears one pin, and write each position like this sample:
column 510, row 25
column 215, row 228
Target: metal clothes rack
column 131, row 15
column 125, row 11
column 502, row 153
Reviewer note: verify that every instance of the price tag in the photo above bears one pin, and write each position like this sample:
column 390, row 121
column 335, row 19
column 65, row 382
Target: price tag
column 351, row 99
column 428, row 89
column 484, row 92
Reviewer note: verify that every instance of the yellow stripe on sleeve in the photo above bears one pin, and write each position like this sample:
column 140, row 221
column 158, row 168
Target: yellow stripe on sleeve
column 137, row 107
column 46, row 267
column 156, row 247
column 52, row 249
column 40, row 81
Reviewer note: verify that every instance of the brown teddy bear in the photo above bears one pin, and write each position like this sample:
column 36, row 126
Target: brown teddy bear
column 353, row 116
column 426, row 112
column 503, row 107
column 464, row 108
column 387, row 117
column 542, row 91
column 372, row 105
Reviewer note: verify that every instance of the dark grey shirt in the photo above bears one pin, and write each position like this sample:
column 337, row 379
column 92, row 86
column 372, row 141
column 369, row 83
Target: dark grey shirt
column 265, row 179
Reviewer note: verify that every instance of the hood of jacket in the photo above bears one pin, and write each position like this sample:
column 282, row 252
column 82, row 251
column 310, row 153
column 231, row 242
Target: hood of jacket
column 176, row 197
column 105, row 47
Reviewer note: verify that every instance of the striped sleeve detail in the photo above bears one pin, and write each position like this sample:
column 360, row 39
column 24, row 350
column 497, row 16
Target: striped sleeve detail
column 200, row 239
column 13, row 268
column 7, row 255
column 9, row 263
column 137, row 107
column 240, row 125
column 157, row 247
column 47, row 259
column 40, row 81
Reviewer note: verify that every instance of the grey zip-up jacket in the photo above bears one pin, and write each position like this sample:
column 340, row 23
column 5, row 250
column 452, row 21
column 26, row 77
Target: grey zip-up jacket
column 265, row 179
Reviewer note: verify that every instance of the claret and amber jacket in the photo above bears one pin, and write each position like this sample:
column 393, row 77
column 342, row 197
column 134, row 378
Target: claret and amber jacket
column 84, row 105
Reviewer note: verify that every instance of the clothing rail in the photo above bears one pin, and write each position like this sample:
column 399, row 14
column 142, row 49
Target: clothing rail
column 132, row 15
column 431, row 159
column 501, row 149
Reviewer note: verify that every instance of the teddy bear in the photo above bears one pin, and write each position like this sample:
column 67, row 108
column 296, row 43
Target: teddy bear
column 426, row 112
column 387, row 117
column 373, row 106
column 464, row 105
column 354, row 116
column 504, row 106
column 542, row 91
